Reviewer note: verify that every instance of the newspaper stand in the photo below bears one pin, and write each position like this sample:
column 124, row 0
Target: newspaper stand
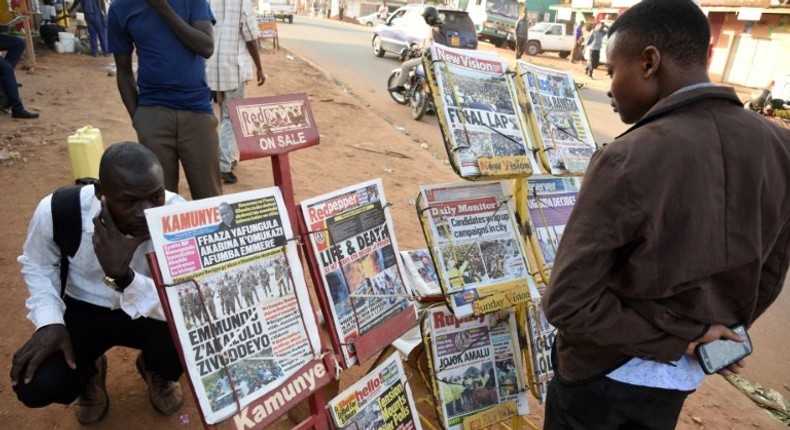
column 267, row 29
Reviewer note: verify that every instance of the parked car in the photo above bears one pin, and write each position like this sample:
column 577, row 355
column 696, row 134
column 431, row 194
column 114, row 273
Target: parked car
column 406, row 26
column 551, row 37
column 280, row 9
column 369, row 20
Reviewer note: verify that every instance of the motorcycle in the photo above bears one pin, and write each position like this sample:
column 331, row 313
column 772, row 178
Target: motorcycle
column 417, row 93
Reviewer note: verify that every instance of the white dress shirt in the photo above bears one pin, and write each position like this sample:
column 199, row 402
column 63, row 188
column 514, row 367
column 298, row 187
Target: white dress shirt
column 40, row 261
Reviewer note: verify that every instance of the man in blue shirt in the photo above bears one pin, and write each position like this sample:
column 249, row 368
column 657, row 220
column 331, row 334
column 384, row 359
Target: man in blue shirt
column 170, row 102
column 94, row 11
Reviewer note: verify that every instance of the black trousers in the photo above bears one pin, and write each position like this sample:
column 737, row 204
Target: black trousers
column 94, row 330
column 606, row 404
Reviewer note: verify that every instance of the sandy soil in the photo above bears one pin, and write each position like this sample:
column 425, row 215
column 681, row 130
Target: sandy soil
column 74, row 90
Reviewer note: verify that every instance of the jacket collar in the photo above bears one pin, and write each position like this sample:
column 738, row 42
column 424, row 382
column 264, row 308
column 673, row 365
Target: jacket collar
column 678, row 100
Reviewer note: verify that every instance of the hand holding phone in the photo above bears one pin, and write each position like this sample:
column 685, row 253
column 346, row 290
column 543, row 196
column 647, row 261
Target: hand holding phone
column 722, row 353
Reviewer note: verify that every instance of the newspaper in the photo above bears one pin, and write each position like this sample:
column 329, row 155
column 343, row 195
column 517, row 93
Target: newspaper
column 540, row 336
column 477, row 366
column 476, row 246
column 421, row 273
column 550, row 201
column 353, row 239
column 239, row 302
column 381, row 400
column 478, row 114
column 559, row 121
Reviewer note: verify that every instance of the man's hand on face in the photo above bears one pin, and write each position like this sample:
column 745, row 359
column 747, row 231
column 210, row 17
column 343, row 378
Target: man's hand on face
column 716, row 332
column 45, row 341
column 113, row 249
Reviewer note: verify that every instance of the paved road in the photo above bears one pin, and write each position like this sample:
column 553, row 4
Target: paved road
column 344, row 52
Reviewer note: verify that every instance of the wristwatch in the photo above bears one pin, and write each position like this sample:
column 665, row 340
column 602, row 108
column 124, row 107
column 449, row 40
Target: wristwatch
column 120, row 283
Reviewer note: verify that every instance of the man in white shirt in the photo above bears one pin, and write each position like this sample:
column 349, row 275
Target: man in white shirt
column 228, row 70
column 110, row 298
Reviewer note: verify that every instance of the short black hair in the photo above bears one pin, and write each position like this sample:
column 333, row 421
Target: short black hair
column 678, row 28
column 127, row 156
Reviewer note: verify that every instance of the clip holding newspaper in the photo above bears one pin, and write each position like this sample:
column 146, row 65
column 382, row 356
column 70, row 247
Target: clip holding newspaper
column 481, row 121
column 380, row 400
column 560, row 125
column 475, row 243
column 352, row 238
column 239, row 305
column 478, row 374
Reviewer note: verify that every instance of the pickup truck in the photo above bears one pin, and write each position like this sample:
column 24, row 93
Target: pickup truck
column 551, row 36
column 279, row 8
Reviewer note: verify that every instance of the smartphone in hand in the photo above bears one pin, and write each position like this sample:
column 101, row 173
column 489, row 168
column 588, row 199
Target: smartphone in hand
column 715, row 356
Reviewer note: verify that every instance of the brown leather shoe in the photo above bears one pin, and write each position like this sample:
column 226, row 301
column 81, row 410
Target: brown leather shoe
column 93, row 403
column 166, row 395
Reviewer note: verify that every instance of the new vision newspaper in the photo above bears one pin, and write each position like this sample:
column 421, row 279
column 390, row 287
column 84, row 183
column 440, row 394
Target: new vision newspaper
column 557, row 115
column 239, row 304
column 353, row 239
column 478, row 372
column 474, row 240
column 479, row 116
column 381, row 400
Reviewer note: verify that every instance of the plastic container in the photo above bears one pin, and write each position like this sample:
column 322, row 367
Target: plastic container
column 67, row 41
column 85, row 151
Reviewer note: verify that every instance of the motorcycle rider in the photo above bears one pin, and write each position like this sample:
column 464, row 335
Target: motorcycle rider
column 431, row 17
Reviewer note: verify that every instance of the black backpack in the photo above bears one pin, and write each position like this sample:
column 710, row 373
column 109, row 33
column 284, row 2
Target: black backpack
column 67, row 224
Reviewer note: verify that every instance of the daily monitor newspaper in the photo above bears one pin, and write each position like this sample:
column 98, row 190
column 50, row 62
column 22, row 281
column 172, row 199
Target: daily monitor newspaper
column 472, row 234
column 560, row 124
column 381, row 400
column 477, row 366
column 479, row 115
column 238, row 298
column 354, row 242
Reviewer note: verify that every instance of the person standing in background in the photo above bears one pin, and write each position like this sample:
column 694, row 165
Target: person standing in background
column 169, row 103
column 522, row 34
column 578, row 47
column 595, row 41
column 95, row 13
column 229, row 69
column 341, row 10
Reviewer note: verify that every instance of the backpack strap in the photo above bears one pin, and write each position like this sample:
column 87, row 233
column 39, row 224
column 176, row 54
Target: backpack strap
column 66, row 226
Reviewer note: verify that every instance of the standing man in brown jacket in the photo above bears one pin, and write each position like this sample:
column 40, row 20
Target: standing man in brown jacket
column 681, row 230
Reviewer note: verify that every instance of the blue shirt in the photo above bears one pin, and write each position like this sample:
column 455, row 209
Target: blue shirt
column 169, row 74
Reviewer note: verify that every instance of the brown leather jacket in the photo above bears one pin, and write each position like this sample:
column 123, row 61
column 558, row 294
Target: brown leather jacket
column 681, row 222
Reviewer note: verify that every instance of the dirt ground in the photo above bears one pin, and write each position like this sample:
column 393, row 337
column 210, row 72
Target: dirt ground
column 74, row 90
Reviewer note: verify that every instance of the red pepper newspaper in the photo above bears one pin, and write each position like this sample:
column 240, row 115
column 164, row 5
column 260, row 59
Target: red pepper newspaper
column 471, row 231
column 354, row 243
column 478, row 373
column 239, row 304
column 560, row 124
column 381, row 400
column 479, row 114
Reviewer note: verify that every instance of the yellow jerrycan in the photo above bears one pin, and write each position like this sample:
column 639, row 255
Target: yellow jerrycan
column 85, row 151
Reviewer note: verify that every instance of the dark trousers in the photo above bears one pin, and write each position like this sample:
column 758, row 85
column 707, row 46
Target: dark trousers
column 605, row 404
column 14, row 47
column 97, row 32
column 10, row 92
column 94, row 330
column 521, row 46
column 595, row 59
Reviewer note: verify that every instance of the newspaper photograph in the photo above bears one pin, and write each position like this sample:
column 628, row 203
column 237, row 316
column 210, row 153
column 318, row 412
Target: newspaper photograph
column 421, row 273
column 550, row 200
column 479, row 115
column 381, row 400
column 477, row 364
column 475, row 243
column 558, row 117
column 354, row 242
column 237, row 294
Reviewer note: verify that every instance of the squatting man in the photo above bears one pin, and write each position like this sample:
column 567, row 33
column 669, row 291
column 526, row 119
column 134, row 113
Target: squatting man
column 110, row 299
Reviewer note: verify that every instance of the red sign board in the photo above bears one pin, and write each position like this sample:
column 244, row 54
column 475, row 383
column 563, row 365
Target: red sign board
column 266, row 126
